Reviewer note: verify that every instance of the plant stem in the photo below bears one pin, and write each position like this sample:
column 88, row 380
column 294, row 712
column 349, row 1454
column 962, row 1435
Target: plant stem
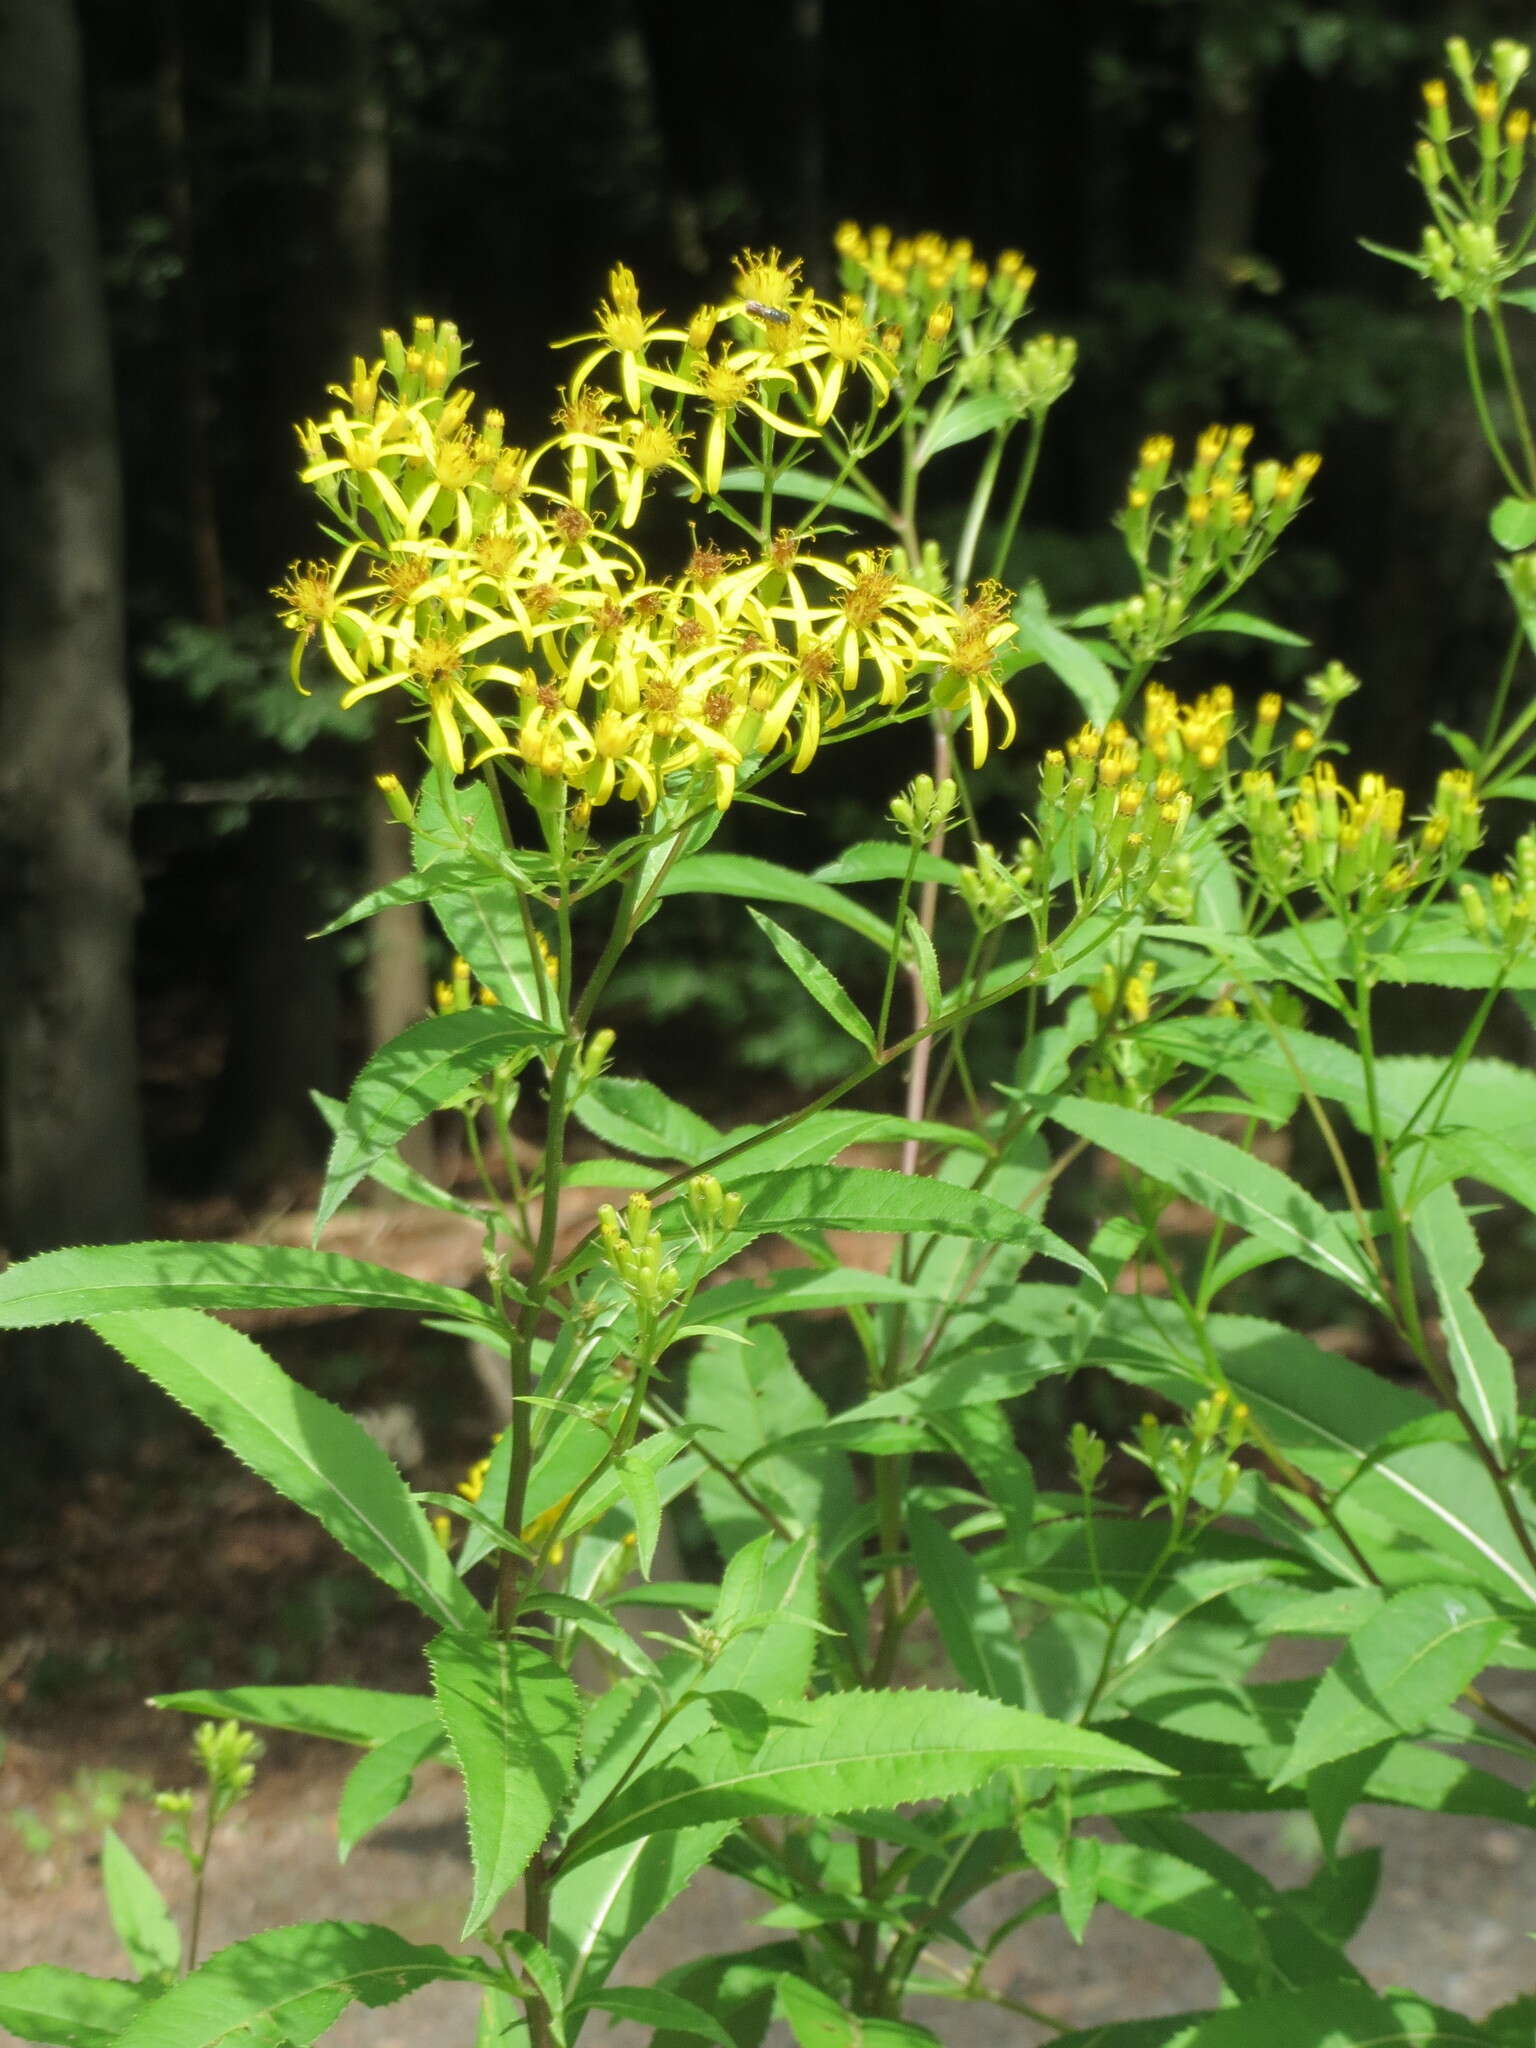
column 1480, row 404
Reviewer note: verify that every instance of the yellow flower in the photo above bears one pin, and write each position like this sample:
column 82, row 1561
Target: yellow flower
column 968, row 645
column 845, row 341
column 313, row 604
column 624, row 332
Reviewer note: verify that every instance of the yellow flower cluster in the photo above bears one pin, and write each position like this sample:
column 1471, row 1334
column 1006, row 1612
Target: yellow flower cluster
column 1507, row 915
column 926, row 268
column 1228, row 517
column 458, row 991
column 1350, row 843
column 496, row 587
column 1471, row 179
column 1131, row 790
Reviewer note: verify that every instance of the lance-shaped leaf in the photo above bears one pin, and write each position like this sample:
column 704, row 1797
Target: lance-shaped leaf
column 139, row 1916
column 636, row 1116
column 848, row 1753
column 979, row 1632
column 67, row 2008
column 429, row 1064
column 1483, row 1369
column 86, row 1281
column 310, row 1452
column 293, row 1983
column 340, row 1713
column 514, row 1719
column 818, row 981
column 740, row 874
column 381, row 1781
column 871, row 1198
column 482, row 920
column 1237, row 1187
column 1395, row 1674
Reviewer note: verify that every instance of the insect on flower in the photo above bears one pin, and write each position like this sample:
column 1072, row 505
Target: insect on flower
column 774, row 314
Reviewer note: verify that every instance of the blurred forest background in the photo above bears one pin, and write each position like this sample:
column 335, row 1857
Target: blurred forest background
column 210, row 209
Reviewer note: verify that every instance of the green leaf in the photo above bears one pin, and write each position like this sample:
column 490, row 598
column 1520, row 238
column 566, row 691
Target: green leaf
column 485, row 924
column 430, row 1063
column 1395, row 1674
column 514, row 1718
column 653, row 2007
column 1483, row 1369
column 965, row 421
column 1512, row 523
column 744, row 1398
column 408, row 889
column 740, row 874
column 884, row 860
column 1331, row 1418
column 870, row 1198
column 929, row 978
column 380, row 1781
column 638, row 1482
column 393, row 1174
column 738, row 1987
column 292, row 1983
column 340, row 1713
column 848, row 1753
column 805, row 486
column 1230, row 620
column 817, row 2021
column 1168, row 1892
column 540, row 1967
column 979, row 1633
column 307, row 1450
column 66, row 2007
column 1237, row 1187
column 819, row 982
column 139, row 1917
column 635, row 1116
column 1089, row 679
column 86, row 1281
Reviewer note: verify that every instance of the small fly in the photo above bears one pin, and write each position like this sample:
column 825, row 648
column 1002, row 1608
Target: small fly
column 774, row 315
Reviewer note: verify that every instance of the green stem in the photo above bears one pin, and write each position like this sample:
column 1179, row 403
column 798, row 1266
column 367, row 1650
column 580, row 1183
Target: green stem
column 1500, row 701
column 976, row 512
column 1021, row 489
column 1480, row 403
column 1512, row 389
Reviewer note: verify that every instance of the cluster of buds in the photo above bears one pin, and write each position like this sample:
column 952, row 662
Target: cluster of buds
column 1506, row 915
column 1030, row 379
column 1227, row 517
column 937, row 305
column 1135, row 805
column 632, row 1248
column 228, row 1755
column 1185, row 1466
column 994, row 892
column 472, row 1485
column 1464, row 255
column 1089, row 1454
column 713, row 1213
column 1117, row 996
column 1349, row 844
column 458, row 992
column 907, row 278
column 924, row 808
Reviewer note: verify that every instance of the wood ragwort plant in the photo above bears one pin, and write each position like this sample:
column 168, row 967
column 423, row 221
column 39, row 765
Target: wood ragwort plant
column 1189, row 949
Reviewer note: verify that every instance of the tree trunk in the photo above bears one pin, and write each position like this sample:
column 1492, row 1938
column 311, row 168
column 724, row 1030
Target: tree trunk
column 68, row 890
